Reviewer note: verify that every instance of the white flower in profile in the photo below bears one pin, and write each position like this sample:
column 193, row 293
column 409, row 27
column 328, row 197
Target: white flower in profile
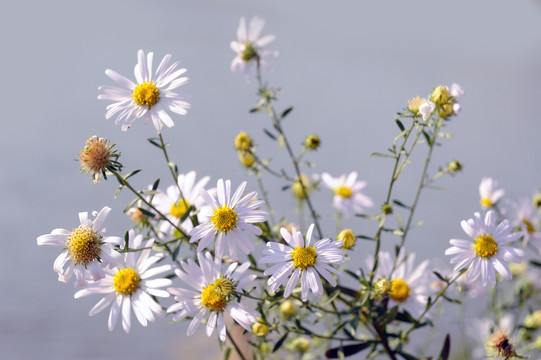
column 488, row 251
column 85, row 249
column 347, row 193
column 212, row 294
column 456, row 91
column 149, row 97
column 249, row 47
column 409, row 284
column 178, row 198
column 227, row 219
column 522, row 214
column 426, row 110
column 488, row 192
column 130, row 287
column 298, row 259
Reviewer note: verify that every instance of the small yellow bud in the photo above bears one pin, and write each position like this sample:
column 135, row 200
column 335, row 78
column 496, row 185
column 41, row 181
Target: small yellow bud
column 440, row 95
column 243, row 141
column 300, row 345
column 347, row 237
column 537, row 200
column 260, row 329
column 446, row 110
column 246, row 159
column 533, row 321
column 287, row 309
column 312, row 142
column 383, row 286
column 297, row 187
column 413, row 104
column 387, row 209
column 518, row 269
column 455, row 166
column 265, row 347
column 364, row 312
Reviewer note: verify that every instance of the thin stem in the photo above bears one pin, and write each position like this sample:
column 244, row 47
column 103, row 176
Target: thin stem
column 419, row 188
column 278, row 127
column 429, row 306
column 382, row 336
column 382, row 218
column 125, row 183
column 234, row 344
column 266, row 198
column 271, row 171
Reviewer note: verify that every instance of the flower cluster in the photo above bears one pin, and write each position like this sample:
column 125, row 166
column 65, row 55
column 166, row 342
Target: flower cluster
column 282, row 276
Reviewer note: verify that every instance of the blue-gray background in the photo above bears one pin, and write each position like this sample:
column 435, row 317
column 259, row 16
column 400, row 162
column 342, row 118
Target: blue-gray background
column 347, row 67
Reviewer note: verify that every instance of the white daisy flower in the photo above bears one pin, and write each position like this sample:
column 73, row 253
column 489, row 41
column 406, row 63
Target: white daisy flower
column 85, row 249
column 489, row 193
column 347, row 193
column 298, row 259
column 149, row 97
column 175, row 203
column 522, row 214
column 409, row 284
column 488, row 252
column 129, row 287
column 227, row 219
column 248, row 47
column 213, row 294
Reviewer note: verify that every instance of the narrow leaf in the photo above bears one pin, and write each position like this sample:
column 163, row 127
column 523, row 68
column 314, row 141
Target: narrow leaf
column 286, row 112
column 280, row 342
column 347, row 350
column 445, row 350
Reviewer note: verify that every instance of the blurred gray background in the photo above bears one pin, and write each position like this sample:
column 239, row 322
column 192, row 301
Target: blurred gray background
column 346, row 66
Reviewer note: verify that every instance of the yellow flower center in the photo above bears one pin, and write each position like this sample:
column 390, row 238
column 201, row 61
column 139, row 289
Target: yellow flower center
column 84, row 245
column 146, row 94
column 304, row 257
column 224, row 218
column 343, row 191
column 216, row 295
column 249, row 52
column 529, row 225
column 486, row 202
column 178, row 210
column 400, row 290
column 126, row 281
column 485, row 246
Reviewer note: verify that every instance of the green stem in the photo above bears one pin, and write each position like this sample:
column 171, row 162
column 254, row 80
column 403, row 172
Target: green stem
column 276, row 122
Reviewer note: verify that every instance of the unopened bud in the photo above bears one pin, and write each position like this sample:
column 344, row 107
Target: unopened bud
column 347, row 238
column 287, row 309
column 440, row 95
column 312, row 142
column 260, row 329
column 246, row 159
column 383, row 286
column 455, row 166
column 243, row 141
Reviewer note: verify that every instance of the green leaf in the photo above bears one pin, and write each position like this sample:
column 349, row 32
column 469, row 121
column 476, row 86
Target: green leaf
column 269, row 134
column 347, row 350
column 377, row 154
column 401, row 204
column 280, row 342
column 155, row 185
column 364, row 237
column 126, row 240
column 445, row 350
column 400, row 125
column 286, row 112
column 427, row 137
column 146, row 212
column 153, row 142
column 388, row 316
column 227, row 353
column 131, row 174
column 440, row 276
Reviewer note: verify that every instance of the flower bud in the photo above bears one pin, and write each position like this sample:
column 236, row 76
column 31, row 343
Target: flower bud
column 533, row 321
column 440, row 95
column 518, row 269
column 455, row 166
column 300, row 345
column 387, row 209
column 537, row 200
column 243, row 141
column 347, row 238
column 446, row 110
column 246, row 159
column 260, row 329
column 287, row 309
column 383, row 286
column 297, row 187
column 312, row 142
